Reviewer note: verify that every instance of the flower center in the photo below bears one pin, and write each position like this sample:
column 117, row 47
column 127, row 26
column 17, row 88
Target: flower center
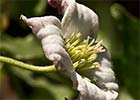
column 83, row 52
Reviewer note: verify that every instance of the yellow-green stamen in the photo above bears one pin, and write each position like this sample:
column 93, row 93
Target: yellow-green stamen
column 83, row 52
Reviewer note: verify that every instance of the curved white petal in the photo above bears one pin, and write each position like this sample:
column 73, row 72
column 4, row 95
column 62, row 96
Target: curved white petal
column 48, row 30
column 37, row 23
column 53, row 46
column 105, row 87
column 78, row 18
column 104, row 75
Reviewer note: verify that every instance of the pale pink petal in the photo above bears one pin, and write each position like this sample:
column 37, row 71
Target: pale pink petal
column 79, row 18
column 37, row 23
column 76, row 18
column 48, row 30
column 105, row 87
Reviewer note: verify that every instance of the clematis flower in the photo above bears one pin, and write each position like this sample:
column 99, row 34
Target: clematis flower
column 53, row 33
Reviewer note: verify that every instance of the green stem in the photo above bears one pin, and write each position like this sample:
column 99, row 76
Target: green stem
column 20, row 64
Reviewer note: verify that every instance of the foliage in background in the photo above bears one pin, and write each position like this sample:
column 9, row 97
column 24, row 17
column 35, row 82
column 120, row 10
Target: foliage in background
column 127, row 63
column 118, row 29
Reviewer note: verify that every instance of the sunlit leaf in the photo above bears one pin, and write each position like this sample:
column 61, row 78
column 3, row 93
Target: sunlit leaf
column 21, row 48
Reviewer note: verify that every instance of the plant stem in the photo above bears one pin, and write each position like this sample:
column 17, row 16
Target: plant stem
column 30, row 67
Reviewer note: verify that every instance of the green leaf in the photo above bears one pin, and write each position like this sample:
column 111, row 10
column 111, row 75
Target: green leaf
column 21, row 48
column 124, row 95
column 127, row 35
column 40, row 7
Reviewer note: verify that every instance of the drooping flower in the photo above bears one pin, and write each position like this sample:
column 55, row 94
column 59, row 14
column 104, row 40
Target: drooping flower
column 53, row 33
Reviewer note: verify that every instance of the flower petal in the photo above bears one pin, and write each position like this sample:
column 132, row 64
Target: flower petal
column 48, row 30
column 104, row 75
column 105, row 86
column 77, row 18
column 37, row 23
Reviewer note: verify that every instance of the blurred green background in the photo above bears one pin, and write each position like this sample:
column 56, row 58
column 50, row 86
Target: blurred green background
column 119, row 30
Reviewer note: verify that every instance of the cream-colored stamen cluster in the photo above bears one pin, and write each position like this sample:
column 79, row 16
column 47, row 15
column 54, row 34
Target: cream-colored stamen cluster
column 83, row 52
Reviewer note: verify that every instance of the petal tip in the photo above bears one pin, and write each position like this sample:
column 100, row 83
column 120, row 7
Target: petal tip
column 22, row 17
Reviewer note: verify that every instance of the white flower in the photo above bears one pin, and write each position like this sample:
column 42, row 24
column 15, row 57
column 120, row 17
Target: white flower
column 76, row 18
